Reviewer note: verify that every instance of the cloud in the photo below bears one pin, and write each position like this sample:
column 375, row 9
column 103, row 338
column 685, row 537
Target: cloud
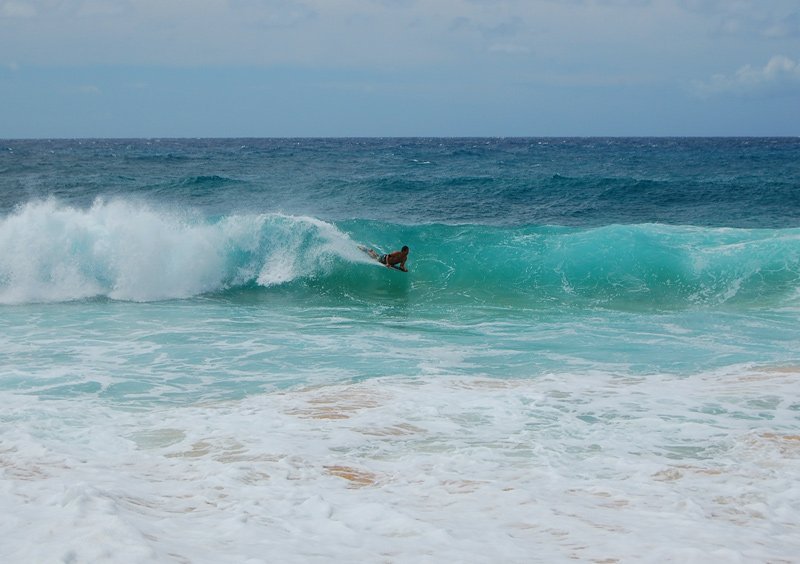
column 781, row 75
column 787, row 27
column 747, row 18
column 613, row 37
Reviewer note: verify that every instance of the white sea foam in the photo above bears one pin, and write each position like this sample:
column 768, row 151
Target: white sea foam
column 129, row 251
column 591, row 467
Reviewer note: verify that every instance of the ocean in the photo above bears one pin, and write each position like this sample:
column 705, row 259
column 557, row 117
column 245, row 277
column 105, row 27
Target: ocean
column 594, row 355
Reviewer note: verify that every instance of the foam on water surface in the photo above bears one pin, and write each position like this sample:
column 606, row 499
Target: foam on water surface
column 561, row 467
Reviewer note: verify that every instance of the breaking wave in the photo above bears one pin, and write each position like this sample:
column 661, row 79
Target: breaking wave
column 121, row 250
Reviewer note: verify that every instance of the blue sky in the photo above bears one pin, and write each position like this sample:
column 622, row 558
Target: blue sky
column 274, row 68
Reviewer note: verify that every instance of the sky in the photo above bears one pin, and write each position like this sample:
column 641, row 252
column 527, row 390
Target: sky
column 344, row 68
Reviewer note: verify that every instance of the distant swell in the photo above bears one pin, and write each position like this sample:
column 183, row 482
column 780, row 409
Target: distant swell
column 51, row 252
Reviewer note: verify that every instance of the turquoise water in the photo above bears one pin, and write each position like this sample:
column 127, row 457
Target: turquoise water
column 186, row 307
column 595, row 338
column 249, row 344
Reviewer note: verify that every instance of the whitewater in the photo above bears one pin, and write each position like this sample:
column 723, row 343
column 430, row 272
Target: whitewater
column 594, row 355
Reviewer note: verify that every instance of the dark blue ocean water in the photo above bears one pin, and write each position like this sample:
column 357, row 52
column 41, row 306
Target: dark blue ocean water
column 749, row 182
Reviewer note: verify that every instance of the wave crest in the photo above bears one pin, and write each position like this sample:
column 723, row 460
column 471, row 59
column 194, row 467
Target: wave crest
column 126, row 251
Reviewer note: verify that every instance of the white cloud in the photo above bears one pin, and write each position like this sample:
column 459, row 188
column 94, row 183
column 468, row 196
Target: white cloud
column 780, row 75
column 613, row 37
column 747, row 18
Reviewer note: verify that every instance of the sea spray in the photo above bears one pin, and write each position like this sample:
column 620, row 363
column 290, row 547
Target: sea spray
column 51, row 252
